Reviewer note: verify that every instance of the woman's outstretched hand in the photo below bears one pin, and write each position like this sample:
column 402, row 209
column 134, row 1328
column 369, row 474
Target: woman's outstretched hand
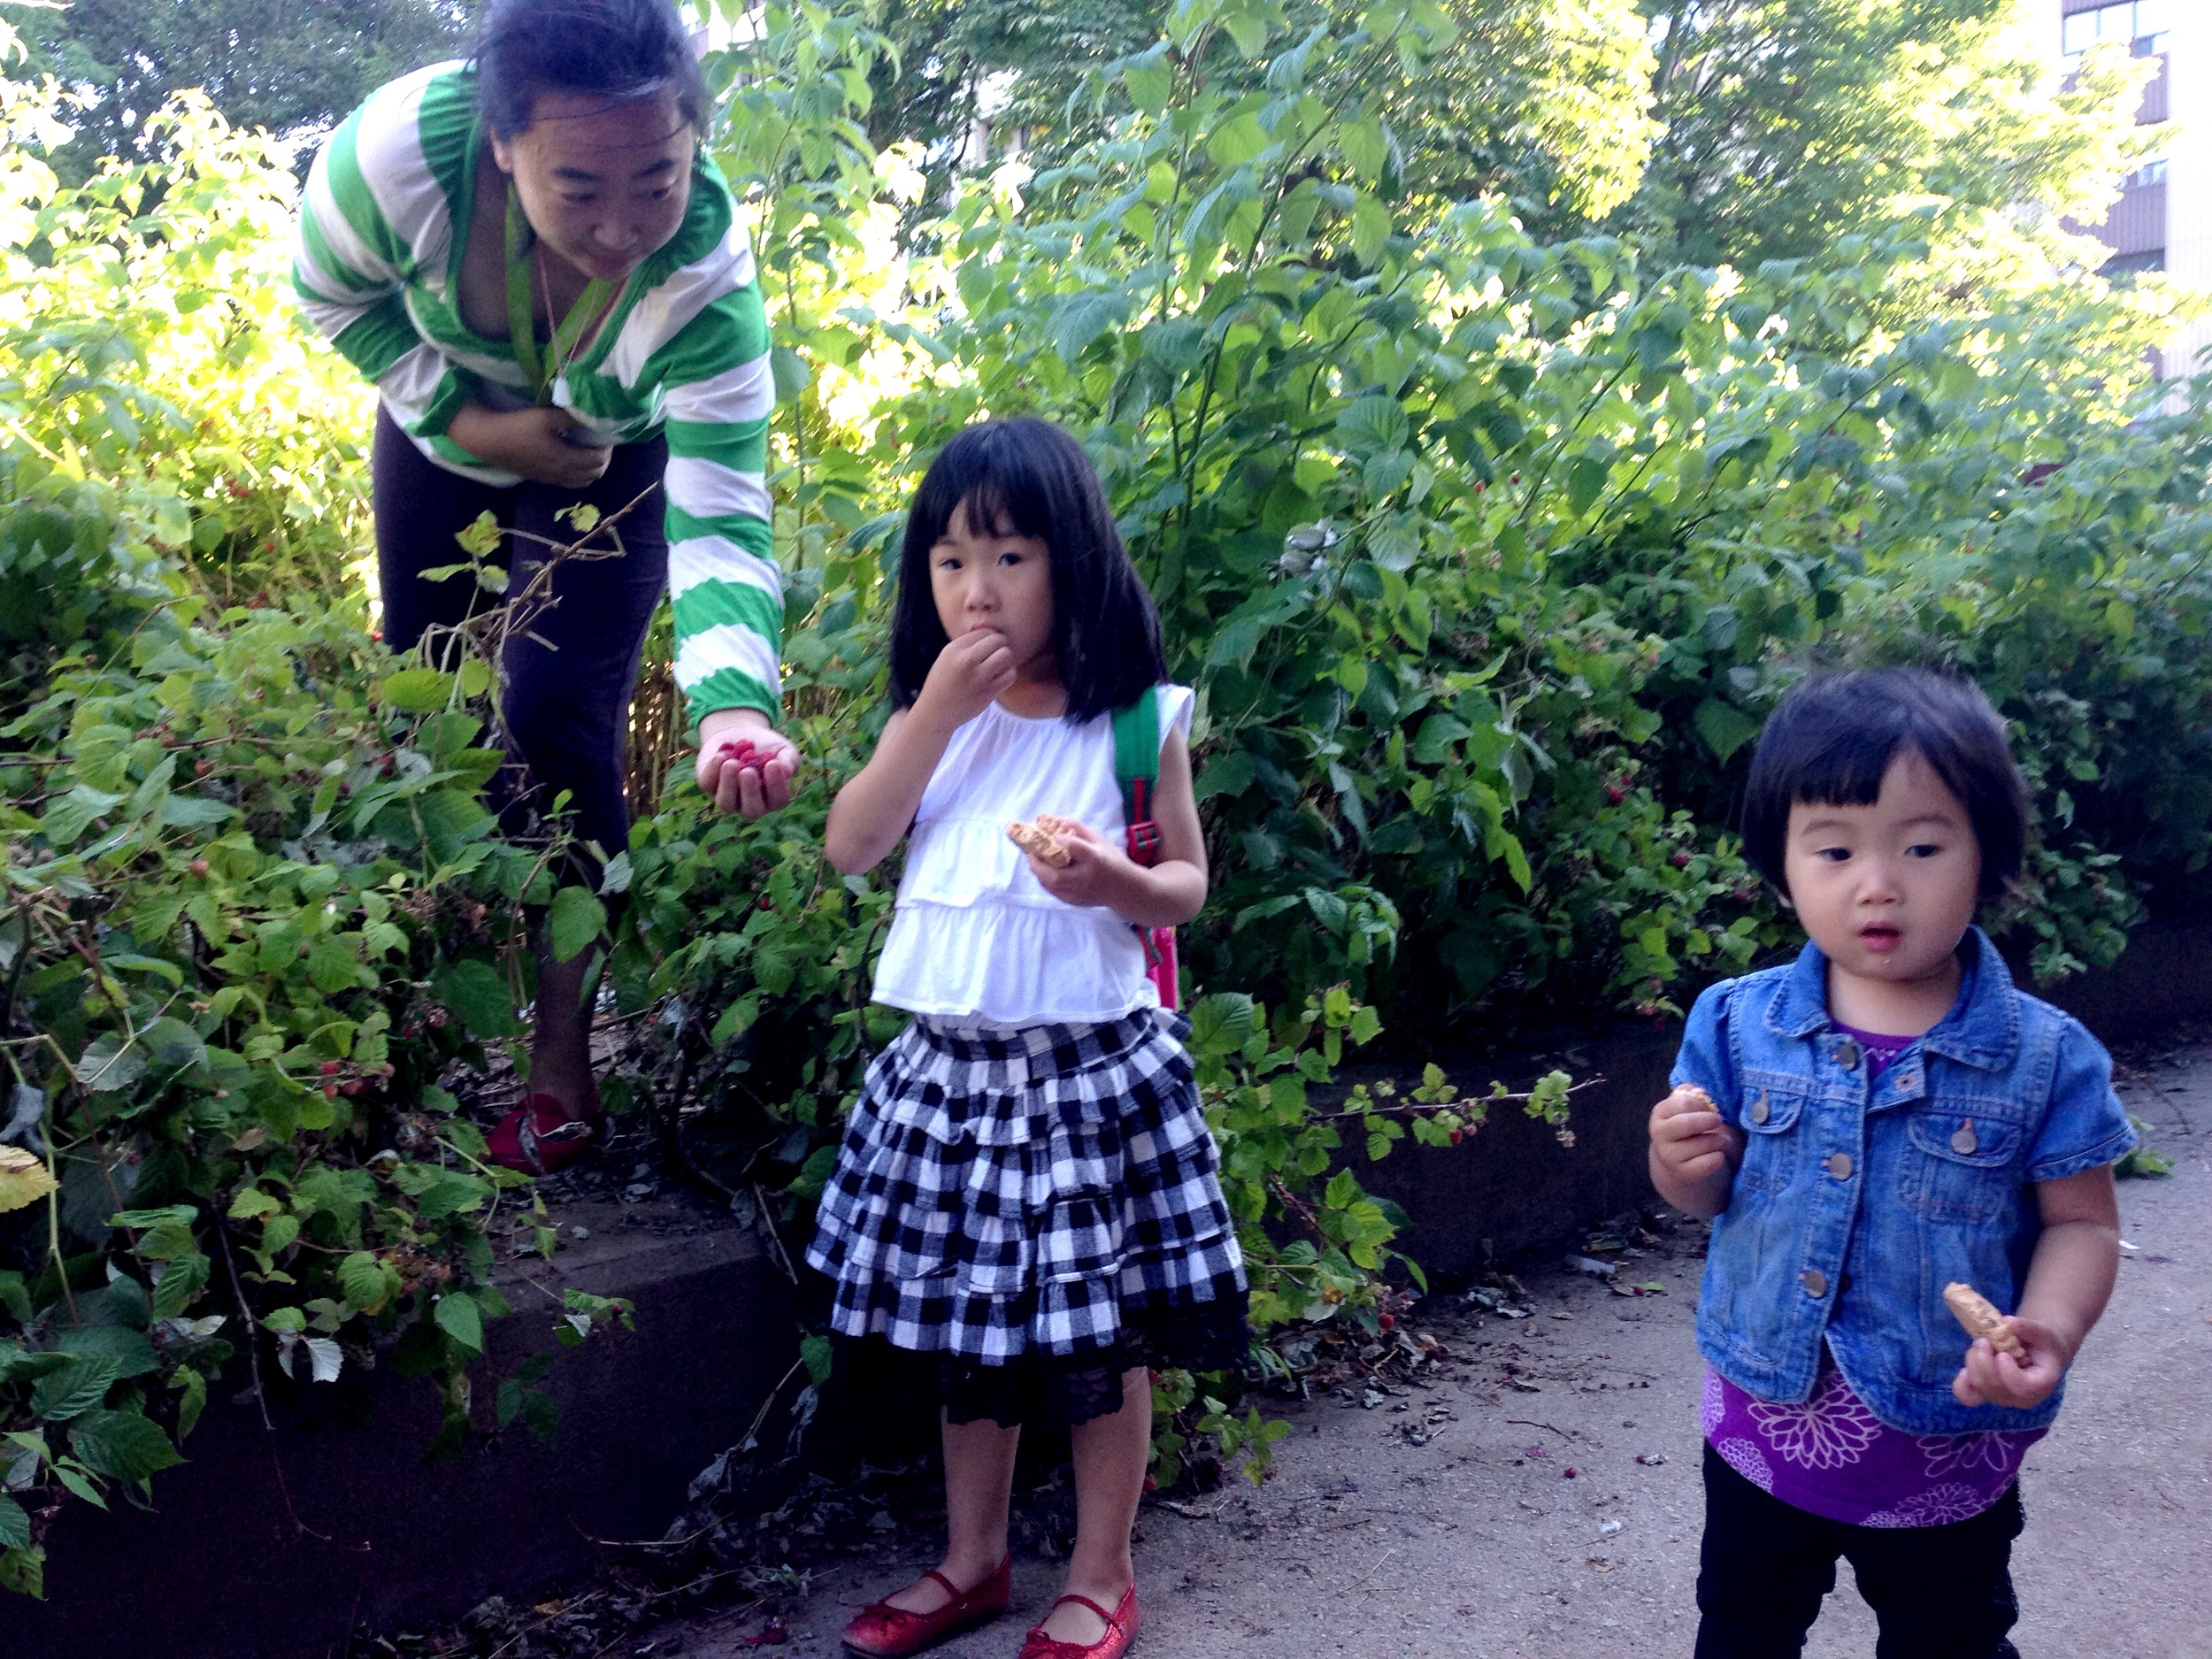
column 745, row 764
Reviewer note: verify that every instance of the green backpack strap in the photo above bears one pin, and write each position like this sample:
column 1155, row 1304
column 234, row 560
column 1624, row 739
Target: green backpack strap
column 1137, row 769
column 1137, row 761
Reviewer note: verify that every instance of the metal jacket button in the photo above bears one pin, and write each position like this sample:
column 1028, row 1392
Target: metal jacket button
column 1815, row 1281
column 1840, row 1165
column 1963, row 1139
column 1848, row 1054
column 1760, row 1112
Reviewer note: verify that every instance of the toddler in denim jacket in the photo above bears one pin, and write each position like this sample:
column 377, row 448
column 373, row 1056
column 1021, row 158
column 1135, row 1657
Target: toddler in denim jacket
column 1884, row 1116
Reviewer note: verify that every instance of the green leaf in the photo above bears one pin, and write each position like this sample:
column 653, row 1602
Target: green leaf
column 793, row 373
column 575, row 921
column 816, row 1351
column 1371, row 229
column 1373, row 424
column 15, row 1526
column 189, row 811
column 23, row 1572
column 1238, row 141
column 1223, row 1022
column 460, row 1318
column 191, row 1399
column 122, row 1445
column 1364, row 147
column 74, row 1481
column 110, row 1063
column 1080, row 319
column 815, row 1173
column 73, row 1388
column 1439, row 733
column 181, row 1280
column 416, row 690
column 477, row 993
column 1585, row 482
column 1226, row 774
column 361, row 1276
column 69, row 817
column 1149, row 85
column 1724, row 727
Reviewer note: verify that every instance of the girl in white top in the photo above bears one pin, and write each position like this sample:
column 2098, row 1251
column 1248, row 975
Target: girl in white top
column 1028, row 1187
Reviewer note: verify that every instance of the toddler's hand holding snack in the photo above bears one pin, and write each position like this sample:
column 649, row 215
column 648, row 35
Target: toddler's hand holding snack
column 2013, row 1361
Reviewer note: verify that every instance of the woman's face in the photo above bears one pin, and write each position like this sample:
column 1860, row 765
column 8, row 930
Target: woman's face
column 603, row 185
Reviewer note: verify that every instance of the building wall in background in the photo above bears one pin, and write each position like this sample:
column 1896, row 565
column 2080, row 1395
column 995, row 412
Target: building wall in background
column 2164, row 219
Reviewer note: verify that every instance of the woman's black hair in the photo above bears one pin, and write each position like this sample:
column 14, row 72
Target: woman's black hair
column 1834, row 737
column 1027, row 477
column 619, row 49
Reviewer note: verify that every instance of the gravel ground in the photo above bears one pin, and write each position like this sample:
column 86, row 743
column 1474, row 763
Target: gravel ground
column 1537, row 1496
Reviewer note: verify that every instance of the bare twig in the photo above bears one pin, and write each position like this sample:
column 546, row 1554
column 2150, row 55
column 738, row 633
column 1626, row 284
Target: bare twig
column 775, row 1236
column 251, row 1336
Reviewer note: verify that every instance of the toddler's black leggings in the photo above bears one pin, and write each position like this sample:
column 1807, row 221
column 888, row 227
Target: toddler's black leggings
column 567, row 703
column 1938, row 1592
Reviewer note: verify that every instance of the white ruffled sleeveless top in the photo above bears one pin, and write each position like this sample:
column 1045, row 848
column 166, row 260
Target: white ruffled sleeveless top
column 975, row 935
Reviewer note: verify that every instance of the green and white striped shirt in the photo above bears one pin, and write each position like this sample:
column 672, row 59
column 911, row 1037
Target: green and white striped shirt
column 685, row 350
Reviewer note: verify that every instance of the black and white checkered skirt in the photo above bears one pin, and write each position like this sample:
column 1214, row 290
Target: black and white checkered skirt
column 1045, row 1192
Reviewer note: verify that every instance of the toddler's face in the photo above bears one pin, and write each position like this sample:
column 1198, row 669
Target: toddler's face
column 984, row 580
column 1886, row 890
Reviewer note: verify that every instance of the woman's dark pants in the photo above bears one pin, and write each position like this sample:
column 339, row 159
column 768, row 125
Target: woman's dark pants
column 1938, row 1592
column 567, row 710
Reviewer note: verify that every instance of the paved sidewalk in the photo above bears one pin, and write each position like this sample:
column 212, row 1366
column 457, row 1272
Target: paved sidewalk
column 1540, row 1499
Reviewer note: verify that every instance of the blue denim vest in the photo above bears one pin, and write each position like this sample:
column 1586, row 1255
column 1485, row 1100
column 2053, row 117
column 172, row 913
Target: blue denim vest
column 1853, row 1209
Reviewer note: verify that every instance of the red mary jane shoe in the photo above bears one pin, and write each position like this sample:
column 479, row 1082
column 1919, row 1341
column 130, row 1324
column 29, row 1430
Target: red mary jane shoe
column 880, row 1631
column 1120, row 1637
column 539, row 1138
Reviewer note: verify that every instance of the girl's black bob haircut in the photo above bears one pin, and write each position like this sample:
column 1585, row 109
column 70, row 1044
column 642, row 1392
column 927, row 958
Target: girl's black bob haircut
column 1029, row 478
column 619, row 49
column 1834, row 737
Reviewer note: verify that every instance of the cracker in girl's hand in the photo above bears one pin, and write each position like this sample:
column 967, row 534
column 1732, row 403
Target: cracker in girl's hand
column 1038, row 845
column 1980, row 1317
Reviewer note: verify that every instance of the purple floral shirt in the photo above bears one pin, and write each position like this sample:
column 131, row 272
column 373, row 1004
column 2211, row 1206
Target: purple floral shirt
column 1832, row 1457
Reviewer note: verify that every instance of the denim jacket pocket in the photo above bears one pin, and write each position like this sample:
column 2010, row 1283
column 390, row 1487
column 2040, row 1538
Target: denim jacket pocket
column 1772, row 1148
column 1966, row 1165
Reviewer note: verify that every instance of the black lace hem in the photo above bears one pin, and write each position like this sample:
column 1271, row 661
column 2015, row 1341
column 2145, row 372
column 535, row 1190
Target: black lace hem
column 1057, row 1389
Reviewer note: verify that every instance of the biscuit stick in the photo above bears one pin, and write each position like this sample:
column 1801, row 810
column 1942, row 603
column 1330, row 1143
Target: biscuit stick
column 1038, row 844
column 1980, row 1317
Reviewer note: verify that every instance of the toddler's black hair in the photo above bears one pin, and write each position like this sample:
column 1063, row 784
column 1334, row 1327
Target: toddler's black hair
column 621, row 50
column 1029, row 478
column 1832, row 738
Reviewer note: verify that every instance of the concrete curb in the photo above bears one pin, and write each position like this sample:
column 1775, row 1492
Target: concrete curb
column 218, row 1571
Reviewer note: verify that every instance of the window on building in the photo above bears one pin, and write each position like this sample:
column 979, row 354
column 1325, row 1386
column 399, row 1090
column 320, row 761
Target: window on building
column 2140, row 23
column 2127, row 264
column 2149, row 172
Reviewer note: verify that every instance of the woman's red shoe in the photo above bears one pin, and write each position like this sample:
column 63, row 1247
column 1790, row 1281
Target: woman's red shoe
column 539, row 1138
column 1121, row 1632
column 880, row 1631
